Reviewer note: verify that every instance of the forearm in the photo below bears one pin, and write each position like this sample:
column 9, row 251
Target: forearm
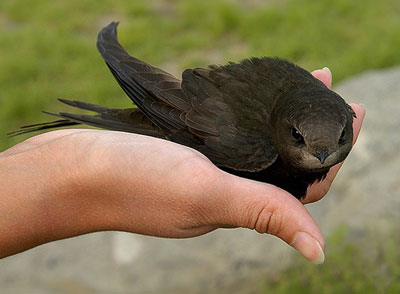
column 40, row 202
column 65, row 187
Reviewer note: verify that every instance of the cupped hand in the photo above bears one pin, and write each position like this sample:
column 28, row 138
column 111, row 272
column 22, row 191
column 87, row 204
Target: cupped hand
column 119, row 181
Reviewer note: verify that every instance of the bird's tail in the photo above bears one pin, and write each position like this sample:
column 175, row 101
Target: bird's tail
column 127, row 120
column 42, row 126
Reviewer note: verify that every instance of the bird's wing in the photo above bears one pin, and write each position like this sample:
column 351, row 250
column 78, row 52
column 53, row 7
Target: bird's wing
column 234, row 130
column 157, row 93
column 195, row 104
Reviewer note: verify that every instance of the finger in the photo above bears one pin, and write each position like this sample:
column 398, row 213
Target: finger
column 324, row 75
column 271, row 210
column 316, row 191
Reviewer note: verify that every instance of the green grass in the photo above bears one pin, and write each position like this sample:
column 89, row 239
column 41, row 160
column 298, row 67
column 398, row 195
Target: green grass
column 47, row 48
column 363, row 266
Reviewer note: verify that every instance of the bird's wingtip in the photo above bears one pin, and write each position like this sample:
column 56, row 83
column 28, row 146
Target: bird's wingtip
column 111, row 25
column 106, row 33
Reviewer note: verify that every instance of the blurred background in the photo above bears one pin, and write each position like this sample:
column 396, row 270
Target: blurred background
column 47, row 50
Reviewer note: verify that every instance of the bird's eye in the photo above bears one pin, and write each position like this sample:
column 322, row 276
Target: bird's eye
column 342, row 136
column 297, row 136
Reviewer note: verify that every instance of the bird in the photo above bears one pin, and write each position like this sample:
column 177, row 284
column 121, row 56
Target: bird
column 265, row 119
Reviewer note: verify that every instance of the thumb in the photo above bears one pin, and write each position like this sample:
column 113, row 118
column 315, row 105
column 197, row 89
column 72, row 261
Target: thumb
column 270, row 210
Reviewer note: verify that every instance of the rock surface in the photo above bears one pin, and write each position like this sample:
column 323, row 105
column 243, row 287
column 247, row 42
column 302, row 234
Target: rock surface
column 365, row 197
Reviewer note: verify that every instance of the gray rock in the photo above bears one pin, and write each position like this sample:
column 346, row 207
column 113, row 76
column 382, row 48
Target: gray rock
column 365, row 197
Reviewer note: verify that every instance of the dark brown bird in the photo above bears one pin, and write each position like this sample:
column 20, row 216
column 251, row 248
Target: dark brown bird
column 264, row 118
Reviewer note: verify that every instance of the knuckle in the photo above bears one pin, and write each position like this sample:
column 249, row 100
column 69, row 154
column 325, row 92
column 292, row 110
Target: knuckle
column 268, row 221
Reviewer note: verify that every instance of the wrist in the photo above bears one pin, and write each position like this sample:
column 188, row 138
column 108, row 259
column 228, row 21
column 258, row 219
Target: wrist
column 42, row 200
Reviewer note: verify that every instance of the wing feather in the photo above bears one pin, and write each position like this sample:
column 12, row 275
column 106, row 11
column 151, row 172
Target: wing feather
column 229, row 140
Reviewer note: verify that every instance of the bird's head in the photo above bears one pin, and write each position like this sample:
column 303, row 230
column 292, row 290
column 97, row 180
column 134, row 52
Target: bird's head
column 314, row 130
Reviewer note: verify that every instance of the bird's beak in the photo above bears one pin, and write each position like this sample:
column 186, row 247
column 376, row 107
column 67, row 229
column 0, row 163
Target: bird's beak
column 321, row 155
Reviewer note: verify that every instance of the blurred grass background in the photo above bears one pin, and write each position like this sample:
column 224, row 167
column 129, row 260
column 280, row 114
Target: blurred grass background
column 363, row 266
column 47, row 50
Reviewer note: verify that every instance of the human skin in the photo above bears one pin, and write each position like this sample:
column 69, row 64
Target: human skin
column 71, row 182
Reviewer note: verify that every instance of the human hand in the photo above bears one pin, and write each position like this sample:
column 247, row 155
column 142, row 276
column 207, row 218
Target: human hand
column 70, row 182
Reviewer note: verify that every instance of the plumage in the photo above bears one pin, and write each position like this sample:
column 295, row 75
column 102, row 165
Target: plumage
column 263, row 118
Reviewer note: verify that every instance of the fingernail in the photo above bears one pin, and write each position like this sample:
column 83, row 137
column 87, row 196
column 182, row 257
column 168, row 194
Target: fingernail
column 327, row 70
column 309, row 247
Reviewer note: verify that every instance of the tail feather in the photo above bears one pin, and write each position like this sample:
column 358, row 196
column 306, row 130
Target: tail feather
column 109, row 123
column 127, row 120
column 84, row 105
column 43, row 126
